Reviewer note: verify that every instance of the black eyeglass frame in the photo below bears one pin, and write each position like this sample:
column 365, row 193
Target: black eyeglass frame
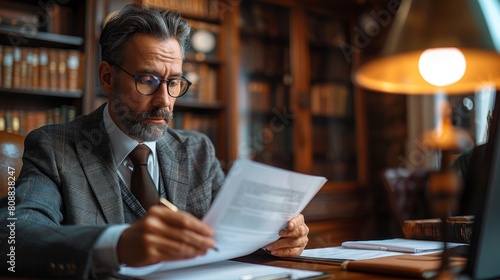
column 168, row 81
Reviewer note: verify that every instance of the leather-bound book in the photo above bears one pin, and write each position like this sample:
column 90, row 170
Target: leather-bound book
column 459, row 229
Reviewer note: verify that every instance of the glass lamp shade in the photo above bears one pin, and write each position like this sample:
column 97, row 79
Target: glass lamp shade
column 429, row 24
column 446, row 136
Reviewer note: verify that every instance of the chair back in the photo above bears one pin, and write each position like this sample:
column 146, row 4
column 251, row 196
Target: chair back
column 11, row 153
column 406, row 194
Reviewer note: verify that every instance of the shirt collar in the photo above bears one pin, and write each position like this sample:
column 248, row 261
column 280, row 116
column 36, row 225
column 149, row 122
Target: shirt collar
column 121, row 144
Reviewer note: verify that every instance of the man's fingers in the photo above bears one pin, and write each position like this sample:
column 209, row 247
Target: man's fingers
column 297, row 231
column 180, row 227
column 295, row 221
column 288, row 243
column 163, row 235
column 167, row 249
column 287, row 247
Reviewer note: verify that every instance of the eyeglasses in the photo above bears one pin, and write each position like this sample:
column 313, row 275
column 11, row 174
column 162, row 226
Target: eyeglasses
column 147, row 84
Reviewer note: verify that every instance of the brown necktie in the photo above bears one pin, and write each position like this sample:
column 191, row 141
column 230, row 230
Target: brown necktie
column 141, row 183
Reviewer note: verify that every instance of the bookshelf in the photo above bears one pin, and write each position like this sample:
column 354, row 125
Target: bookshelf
column 298, row 109
column 42, row 63
column 76, row 26
column 333, row 120
column 265, row 128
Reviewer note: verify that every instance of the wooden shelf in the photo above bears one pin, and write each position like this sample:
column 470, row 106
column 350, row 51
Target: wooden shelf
column 16, row 36
column 48, row 63
column 213, row 20
column 53, row 93
column 325, row 120
column 209, row 60
column 321, row 136
column 247, row 33
column 187, row 103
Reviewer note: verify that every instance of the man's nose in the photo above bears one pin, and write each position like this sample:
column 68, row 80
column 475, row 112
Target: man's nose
column 161, row 98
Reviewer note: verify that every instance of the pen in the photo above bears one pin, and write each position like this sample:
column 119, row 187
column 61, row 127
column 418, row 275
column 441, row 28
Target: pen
column 169, row 204
column 174, row 208
column 366, row 247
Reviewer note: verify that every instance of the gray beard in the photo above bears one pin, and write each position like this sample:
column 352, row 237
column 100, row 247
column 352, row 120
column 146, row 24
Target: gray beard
column 133, row 124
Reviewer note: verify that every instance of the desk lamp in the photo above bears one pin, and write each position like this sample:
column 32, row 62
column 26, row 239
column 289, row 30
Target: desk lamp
column 438, row 47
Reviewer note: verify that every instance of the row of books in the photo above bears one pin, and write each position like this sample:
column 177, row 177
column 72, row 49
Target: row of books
column 40, row 17
column 270, row 143
column 207, row 124
column 333, row 141
column 201, row 8
column 23, row 121
column 10, row 17
column 204, row 81
column 330, row 64
column 268, row 58
column 458, row 229
column 269, row 20
column 40, row 68
column 330, row 99
column 334, row 171
column 263, row 96
column 326, row 31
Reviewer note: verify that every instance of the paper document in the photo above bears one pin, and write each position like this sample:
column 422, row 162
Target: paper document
column 255, row 202
column 399, row 245
column 233, row 270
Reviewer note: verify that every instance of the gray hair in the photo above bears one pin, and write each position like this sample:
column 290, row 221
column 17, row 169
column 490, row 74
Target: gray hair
column 138, row 19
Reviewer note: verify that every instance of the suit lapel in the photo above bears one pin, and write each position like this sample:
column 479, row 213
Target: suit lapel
column 172, row 159
column 98, row 164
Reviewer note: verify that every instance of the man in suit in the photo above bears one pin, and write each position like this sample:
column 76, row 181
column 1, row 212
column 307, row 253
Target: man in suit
column 75, row 213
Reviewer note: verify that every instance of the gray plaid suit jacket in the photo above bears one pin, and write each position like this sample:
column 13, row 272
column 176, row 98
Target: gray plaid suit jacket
column 69, row 191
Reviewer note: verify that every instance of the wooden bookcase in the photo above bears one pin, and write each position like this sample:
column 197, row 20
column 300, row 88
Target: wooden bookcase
column 42, row 63
column 76, row 26
column 265, row 126
column 285, row 98
column 275, row 89
column 298, row 109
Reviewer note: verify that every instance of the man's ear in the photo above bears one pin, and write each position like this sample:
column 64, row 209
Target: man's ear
column 106, row 77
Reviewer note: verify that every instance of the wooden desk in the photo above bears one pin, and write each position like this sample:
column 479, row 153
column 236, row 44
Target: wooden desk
column 333, row 269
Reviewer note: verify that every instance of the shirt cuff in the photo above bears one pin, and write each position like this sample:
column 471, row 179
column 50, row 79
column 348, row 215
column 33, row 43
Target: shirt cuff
column 104, row 256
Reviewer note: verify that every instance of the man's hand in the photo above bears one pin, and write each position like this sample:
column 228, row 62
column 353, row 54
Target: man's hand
column 164, row 235
column 293, row 239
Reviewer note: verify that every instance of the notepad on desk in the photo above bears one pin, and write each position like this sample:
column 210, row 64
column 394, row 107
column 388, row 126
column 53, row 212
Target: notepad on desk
column 369, row 249
column 339, row 254
column 399, row 245
column 397, row 256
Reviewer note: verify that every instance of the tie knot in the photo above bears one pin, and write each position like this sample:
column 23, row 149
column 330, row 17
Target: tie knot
column 139, row 155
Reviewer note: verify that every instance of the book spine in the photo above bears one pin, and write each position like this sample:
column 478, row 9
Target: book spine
column 35, row 62
column 43, row 68
column 73, row 66
column 8, row 61
column 21, row 121
column 16, row 67
column 53, row 69
column 1, row 65
column 62, row 77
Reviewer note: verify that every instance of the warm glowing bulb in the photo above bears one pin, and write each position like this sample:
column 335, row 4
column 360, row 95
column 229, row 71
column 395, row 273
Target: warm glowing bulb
column 442, row 66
